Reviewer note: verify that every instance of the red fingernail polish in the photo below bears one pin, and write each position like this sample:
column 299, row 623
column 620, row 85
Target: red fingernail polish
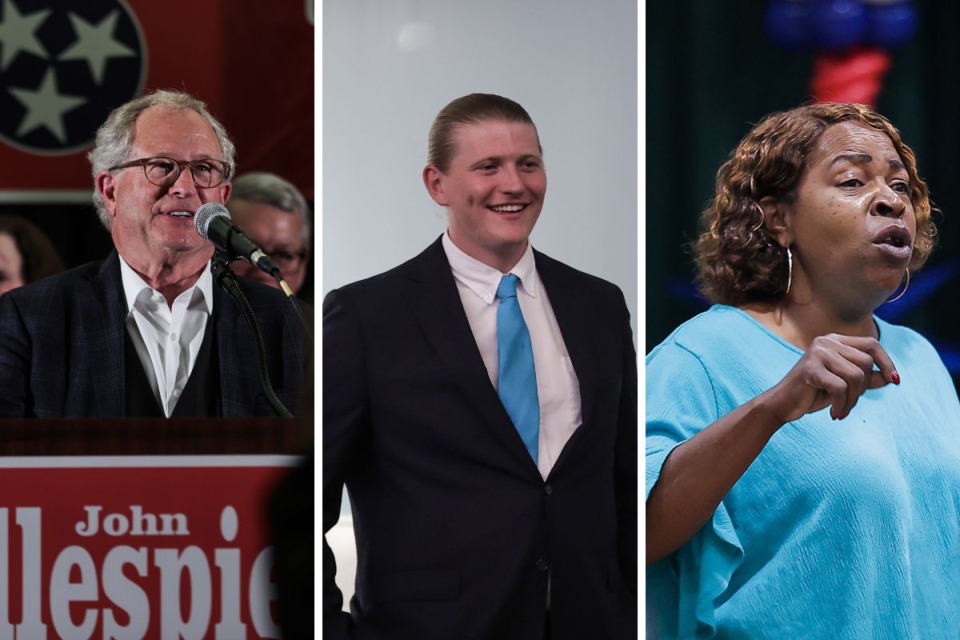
column 895, row 377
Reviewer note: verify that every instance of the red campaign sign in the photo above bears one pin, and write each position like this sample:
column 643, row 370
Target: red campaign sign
column 65, row 65
column 127, row 547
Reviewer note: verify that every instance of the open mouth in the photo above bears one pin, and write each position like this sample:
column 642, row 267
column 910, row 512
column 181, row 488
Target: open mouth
column 896, row 240
column 179, row 214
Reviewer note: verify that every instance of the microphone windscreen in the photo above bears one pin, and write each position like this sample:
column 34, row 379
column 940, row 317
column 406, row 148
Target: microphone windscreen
column 205, row 215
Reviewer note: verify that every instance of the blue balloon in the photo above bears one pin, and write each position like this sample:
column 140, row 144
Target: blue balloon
column 787, row 24
column 838, row 25
column 891, row 25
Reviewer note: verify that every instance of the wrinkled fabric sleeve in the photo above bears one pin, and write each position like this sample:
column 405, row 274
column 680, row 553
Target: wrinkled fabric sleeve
column 683, row 588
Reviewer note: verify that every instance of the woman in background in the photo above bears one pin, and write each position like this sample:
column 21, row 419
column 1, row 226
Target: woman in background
column 803, row 456
column 26, row 254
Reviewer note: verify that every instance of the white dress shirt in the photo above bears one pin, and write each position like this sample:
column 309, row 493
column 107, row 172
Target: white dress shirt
column 167, row 339
column 557, row 385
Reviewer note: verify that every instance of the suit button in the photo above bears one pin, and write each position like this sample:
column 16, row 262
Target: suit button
column 548, row 490
column 542, row 565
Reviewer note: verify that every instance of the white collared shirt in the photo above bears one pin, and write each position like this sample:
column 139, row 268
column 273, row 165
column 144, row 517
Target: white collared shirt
column 557, row 385
column 167, row 339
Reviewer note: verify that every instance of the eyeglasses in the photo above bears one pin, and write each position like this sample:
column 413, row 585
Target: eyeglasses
column 287, row 259
column 163, row 172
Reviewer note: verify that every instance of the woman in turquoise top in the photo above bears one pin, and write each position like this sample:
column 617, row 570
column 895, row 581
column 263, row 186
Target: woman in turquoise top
column 803, row 456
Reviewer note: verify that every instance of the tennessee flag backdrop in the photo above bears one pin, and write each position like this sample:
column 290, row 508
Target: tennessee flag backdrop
column 64, row 65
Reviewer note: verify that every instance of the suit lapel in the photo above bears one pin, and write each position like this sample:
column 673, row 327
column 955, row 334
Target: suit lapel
column 102, row 325
column 238, row 382
column 435, row 302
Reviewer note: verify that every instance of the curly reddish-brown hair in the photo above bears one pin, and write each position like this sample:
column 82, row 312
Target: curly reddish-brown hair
column 738, row 258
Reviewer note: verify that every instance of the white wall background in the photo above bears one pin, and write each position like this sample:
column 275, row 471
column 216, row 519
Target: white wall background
column 390, row 65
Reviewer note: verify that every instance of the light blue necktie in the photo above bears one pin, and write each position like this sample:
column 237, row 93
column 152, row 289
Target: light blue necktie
column 517, row 381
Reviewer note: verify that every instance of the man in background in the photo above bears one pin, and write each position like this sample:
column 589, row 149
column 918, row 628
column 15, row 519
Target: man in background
column 275, row 215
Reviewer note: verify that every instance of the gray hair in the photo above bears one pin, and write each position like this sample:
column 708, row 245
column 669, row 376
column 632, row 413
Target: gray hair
column 271, row 189
column 115, row 136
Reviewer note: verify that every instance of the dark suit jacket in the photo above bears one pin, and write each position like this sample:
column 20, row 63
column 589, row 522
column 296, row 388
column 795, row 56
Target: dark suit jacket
column 62, row 347
column 456, row 530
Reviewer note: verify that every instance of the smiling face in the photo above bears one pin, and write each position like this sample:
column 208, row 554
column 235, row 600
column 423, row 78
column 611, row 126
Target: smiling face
column 154, row 225
column 493, row 190
column 852, row 225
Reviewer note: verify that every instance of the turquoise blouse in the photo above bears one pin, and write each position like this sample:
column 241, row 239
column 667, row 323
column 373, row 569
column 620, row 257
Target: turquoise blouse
column 840, row 529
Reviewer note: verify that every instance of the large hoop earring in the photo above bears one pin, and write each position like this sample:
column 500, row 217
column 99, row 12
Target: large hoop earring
column 759, row 224
column 789, row 271
column 905, row 287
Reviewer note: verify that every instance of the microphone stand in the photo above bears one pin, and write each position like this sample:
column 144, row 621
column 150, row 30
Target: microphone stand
column 228, row 282
column 293, row 300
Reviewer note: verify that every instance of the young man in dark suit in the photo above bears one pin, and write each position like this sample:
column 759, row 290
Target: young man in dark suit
column 480, row 405
column 146, row 332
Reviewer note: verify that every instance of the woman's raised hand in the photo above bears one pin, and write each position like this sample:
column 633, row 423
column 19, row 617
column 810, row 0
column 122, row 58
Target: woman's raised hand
column 834, row 371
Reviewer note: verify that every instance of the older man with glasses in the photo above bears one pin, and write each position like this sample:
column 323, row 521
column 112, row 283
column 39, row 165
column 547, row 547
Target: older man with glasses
column 146, row 332
column 275, row 215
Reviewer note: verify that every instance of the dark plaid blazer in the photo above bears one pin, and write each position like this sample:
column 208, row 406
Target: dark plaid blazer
column 62, row 347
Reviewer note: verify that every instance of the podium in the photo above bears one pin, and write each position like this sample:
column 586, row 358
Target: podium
column 154, row 436
column 141, row 528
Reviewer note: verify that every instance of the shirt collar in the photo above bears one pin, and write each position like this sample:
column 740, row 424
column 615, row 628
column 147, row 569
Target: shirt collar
column 135, row 288
column 483, row 279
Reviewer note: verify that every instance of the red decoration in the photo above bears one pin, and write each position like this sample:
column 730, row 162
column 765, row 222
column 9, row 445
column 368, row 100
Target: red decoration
column 850, row 77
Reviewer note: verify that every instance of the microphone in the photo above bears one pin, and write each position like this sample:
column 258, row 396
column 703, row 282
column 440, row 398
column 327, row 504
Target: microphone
column 214, row 224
